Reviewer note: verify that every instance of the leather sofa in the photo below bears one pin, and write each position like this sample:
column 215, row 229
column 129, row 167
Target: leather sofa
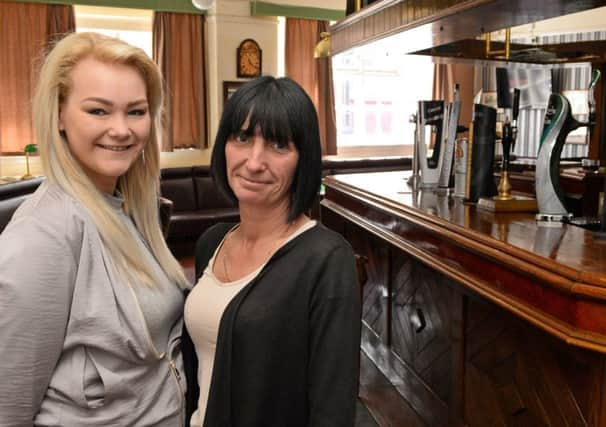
column 196, row 205
column 12, row 195
column 191, row 202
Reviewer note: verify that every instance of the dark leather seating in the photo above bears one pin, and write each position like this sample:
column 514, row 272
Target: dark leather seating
column 12, row 195
column 197, row 203
column 194, row 203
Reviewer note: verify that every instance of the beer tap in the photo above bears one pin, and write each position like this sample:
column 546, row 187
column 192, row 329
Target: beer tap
column 504, row 201
column 601, row 234
column 508, row 139
column 558, row 124
column 595, row 76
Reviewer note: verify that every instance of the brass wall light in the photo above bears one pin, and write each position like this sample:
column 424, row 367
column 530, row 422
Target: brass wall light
column 499, row 52
column 322, row 49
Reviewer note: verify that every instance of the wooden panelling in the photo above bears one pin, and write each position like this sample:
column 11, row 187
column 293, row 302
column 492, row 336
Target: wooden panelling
column 556, row 282
column 466, row 334
column 409, row 384
column 424, row 307
column 515, row 375
column 382, row 400
column 375, row 292
column 412, row 317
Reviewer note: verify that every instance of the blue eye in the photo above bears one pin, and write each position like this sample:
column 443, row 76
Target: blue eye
column 97, row 112
column 138, row 112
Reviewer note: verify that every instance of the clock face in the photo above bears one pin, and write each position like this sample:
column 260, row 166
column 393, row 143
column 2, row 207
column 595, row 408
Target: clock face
column 249, row 59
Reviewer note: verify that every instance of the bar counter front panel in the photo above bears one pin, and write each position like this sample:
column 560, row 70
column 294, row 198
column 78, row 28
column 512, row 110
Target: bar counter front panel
column 476, row 318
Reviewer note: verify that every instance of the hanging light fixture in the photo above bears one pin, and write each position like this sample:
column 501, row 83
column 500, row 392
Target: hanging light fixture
column 322, row 49
column 203, row 4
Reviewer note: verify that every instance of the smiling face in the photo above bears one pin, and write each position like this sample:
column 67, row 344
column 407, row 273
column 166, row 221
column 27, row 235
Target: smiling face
column 260, row 172
column 106, row 119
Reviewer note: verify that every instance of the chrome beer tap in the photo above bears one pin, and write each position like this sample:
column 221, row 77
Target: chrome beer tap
column 558, row 124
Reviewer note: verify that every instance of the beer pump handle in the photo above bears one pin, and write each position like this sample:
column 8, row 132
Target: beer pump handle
column 516, row 105
column 595, row 76
column 506, row 142
column 514, row 116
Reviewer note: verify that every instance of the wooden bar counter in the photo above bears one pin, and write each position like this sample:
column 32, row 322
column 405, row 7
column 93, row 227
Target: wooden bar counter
column 476, row 318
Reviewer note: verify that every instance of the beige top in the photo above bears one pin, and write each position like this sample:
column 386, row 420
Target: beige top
column 204, row 308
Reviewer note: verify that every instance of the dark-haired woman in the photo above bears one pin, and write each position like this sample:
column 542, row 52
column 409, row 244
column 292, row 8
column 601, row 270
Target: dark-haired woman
column 275, row 314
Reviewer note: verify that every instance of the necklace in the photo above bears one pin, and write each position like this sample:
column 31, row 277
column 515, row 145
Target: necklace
column 279, row 240
column 225, row 263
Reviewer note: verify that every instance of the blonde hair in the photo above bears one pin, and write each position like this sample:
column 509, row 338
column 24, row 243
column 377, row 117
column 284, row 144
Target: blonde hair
column 139, row 185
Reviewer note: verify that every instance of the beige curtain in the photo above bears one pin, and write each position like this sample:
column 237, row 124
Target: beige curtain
column 25, row 32
column 444, row 78
column 178, row 46
column 314, row 75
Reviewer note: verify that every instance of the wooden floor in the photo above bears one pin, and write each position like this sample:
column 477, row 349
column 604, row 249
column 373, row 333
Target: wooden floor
column 379, row 403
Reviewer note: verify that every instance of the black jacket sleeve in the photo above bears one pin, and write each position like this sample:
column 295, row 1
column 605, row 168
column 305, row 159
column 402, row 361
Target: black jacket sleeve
column 335, row 342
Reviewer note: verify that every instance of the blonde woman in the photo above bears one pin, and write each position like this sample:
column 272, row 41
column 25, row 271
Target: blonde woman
column 91, row 299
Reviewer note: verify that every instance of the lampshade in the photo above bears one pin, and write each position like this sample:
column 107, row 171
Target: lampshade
column 202, row 4
column 322, row 49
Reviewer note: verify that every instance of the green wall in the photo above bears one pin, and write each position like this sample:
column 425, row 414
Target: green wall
column 183, row 6
column 257, row 8
column 273, row 9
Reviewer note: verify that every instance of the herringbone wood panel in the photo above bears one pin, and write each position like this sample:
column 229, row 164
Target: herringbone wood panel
column 423, row 310
column 519, row 376
column 375, row 292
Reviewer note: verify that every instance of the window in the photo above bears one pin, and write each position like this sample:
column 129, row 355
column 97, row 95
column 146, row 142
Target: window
column 376, row 91
column 134, row 26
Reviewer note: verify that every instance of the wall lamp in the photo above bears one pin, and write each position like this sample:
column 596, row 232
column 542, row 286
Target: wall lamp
column 202, row 4
column 322, row 49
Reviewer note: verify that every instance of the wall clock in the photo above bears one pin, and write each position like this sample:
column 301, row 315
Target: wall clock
column 249, row 59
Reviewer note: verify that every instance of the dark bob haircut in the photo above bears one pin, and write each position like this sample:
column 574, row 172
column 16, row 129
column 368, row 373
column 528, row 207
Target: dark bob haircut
column 284, row 113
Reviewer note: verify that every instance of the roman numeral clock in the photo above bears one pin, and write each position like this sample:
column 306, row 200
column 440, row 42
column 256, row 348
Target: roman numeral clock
column 249, row 59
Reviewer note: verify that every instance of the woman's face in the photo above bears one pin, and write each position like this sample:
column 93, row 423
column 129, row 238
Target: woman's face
column 260, row 172
column 106, row 119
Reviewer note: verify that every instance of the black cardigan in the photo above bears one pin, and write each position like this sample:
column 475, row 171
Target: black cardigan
column 288, row 344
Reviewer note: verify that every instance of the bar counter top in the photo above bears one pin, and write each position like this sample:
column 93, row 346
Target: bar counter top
column 553, row 275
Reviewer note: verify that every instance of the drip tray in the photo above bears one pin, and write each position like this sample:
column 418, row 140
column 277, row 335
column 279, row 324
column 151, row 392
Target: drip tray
column 588, row 223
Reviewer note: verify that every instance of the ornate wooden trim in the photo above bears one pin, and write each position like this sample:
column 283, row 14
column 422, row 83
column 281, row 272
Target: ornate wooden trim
column 560, row 276
column 430, row 23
